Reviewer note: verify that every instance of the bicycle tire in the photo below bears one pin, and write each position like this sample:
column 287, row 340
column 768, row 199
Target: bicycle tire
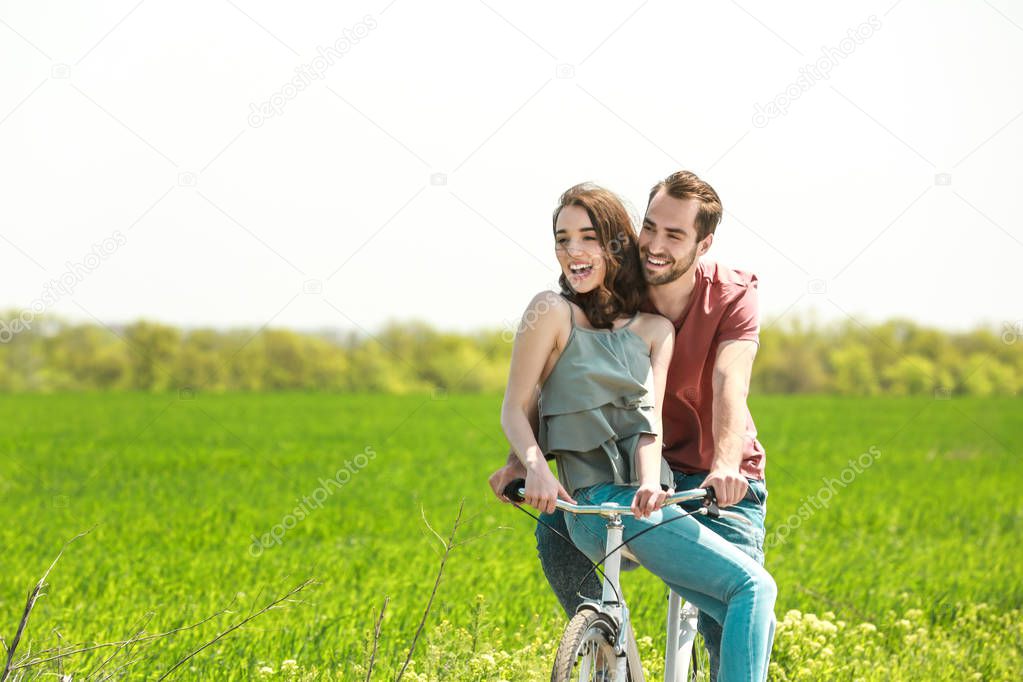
column 586, row 652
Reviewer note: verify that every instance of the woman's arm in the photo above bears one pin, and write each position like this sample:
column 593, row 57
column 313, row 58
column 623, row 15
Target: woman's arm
column 513, row 467
column 650, row 497
column 536, row 339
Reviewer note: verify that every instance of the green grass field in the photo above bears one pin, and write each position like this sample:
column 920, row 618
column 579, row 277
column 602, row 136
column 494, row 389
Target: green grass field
column 913, row 570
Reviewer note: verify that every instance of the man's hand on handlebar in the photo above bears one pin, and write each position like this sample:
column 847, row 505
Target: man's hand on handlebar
column 500, row 479
column 730, row 486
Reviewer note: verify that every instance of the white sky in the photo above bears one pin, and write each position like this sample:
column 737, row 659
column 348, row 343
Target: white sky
column 134, row 117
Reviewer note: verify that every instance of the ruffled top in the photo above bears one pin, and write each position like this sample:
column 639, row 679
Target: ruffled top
column 594, row 406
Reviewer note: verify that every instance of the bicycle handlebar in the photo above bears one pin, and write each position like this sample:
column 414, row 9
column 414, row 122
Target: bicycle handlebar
column 515, row 491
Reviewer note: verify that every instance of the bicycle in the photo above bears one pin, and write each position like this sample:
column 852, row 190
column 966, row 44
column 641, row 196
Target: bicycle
column 599, row 643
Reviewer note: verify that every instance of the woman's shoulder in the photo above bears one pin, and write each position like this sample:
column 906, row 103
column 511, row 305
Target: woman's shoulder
column 547, row 307
column 548, row 300
column 653, row 327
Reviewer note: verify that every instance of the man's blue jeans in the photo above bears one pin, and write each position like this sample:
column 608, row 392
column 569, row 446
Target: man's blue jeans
column 565, row 567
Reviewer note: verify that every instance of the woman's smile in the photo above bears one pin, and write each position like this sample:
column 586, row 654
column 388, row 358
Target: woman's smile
column 579, row 272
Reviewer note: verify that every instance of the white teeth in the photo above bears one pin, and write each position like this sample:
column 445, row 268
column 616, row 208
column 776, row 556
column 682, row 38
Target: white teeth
column 656, row 261
column 576, row 267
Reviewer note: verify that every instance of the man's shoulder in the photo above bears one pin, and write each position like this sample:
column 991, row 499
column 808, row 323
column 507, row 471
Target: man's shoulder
column 726, row 282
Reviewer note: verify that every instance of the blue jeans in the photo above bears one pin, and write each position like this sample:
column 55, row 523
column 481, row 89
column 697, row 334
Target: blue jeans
column 565, row 567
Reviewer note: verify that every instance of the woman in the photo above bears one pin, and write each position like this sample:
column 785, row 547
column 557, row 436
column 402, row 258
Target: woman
column 601, row 366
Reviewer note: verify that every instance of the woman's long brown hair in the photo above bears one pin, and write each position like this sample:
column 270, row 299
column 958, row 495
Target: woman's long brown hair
column 623, row 288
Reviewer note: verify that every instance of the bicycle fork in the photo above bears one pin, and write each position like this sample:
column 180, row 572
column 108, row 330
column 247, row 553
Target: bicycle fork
column 682, row 619
column 681, row 634
column 627, row 653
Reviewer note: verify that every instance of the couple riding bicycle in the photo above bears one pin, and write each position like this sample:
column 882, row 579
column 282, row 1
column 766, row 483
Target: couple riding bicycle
column 634, row 379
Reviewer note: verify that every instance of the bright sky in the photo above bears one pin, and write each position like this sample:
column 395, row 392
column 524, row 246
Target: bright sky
column 414, row 173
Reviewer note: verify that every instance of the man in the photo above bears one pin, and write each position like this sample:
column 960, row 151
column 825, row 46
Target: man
column 709, row 436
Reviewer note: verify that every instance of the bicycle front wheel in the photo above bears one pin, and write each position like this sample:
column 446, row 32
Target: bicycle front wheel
column 586, row 652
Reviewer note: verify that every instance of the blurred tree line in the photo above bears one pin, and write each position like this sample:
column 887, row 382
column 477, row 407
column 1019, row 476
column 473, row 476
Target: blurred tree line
column 897, row 357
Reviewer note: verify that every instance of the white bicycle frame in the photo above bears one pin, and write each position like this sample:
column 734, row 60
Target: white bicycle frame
column 681, row 617
column 682, row 631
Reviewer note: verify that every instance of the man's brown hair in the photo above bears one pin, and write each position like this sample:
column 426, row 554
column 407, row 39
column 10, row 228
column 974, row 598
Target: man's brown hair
column 686, row 185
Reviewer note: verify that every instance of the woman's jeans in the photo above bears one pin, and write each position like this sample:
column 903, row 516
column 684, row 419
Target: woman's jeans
column 734, row 593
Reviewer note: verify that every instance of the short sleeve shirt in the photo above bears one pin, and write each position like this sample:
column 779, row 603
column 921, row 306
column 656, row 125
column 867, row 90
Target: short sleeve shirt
column 723, row 307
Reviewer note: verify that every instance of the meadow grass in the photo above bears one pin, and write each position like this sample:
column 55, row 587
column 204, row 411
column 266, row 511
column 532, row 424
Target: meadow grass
column 912, row 570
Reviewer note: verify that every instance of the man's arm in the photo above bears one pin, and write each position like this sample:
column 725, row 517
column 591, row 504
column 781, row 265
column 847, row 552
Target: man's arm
column 732, row 369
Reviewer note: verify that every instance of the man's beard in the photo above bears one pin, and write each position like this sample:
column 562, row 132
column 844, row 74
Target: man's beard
column 677, row 269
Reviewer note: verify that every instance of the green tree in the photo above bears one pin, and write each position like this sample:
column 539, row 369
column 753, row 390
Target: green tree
column 328, row 366
column 910, row 375
column 200, row 362
column 375, row 368
column 153, row 349
column 244, row 360
column 988, row 376
column 87, row 357
column 285, row 360
column 853, row 370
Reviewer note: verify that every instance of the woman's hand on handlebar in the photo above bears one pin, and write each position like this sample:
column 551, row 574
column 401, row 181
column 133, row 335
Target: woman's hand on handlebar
column 543, row 489
column 649, row 498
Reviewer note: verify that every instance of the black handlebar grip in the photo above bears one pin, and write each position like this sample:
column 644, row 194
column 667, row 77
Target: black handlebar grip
column 511, row 491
